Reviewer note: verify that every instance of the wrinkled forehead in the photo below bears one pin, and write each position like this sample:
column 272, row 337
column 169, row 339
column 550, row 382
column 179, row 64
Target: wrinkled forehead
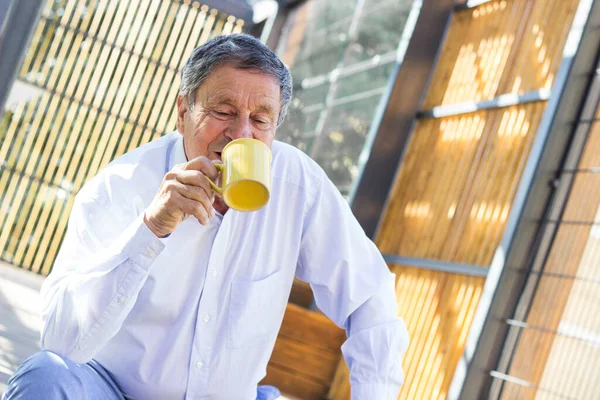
column 223, row 74
column 234, row 86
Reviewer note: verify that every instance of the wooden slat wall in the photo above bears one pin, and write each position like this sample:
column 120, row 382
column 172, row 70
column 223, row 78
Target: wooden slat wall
column 457, row 182
column 452, row 196
column 438, row 309
column 567, row 299
column 501, row 47
column 106, row 78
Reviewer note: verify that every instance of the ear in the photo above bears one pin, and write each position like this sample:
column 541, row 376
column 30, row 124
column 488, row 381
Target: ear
column 182, row 110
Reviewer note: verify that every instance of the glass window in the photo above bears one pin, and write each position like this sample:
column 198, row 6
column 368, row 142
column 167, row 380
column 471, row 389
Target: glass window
column 341, row 54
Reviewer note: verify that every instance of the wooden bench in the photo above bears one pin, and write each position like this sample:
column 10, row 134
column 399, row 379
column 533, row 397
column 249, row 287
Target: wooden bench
column 306, row 354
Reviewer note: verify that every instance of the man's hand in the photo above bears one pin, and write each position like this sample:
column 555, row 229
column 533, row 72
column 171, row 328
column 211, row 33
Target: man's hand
column 184, row 191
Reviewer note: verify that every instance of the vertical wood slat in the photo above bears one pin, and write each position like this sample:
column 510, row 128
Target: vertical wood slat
column 9, row 136
column 34, row 49
column 239, row 26
column 104, row 56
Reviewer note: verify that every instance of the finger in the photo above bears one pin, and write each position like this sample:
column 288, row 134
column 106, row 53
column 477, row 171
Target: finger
column 198, row 180
column 196, row 209
column 203, row 165
column 198, row 194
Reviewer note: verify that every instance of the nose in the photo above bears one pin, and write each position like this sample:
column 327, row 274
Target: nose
column 242, row 128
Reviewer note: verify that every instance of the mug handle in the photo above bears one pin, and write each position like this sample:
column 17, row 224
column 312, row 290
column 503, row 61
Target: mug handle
column 212, row 184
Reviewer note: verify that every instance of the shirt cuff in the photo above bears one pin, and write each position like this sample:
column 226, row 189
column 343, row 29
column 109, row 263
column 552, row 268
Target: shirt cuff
column 143, row 247
column 379, row 391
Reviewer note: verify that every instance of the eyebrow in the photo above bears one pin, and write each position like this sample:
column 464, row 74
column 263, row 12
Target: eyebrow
column 219, row 99
column 215, row 99
column 266, row 108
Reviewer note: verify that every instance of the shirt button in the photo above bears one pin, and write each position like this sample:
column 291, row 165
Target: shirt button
column 213, row 272
column 122, row 299
column 150, row 253
column 206, row 318
column 199, row 364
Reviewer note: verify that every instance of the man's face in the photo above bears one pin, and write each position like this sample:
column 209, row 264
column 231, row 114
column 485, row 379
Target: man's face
column 230, row 104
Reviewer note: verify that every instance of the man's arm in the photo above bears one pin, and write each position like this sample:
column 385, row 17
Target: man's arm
column 107, row 253
column 102, row 265
column 354, row 287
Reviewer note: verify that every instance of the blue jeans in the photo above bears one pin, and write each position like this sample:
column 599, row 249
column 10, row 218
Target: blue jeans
column 48, row 376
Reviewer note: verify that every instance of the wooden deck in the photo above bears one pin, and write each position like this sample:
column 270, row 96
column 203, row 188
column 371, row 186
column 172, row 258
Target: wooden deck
column 19, row 318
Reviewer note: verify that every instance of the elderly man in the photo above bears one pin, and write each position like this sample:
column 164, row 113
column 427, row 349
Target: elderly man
column 162, row 292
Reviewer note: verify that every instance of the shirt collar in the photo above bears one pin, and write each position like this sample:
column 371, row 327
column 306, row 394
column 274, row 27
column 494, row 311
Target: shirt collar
column 178, row 155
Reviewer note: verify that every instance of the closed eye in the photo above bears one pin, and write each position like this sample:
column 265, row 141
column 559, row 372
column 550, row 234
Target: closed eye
column 222, row 115
column 261, row 123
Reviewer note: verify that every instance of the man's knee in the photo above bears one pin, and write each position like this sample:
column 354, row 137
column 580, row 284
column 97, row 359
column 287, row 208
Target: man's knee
column 267, row 392
column 43, row 374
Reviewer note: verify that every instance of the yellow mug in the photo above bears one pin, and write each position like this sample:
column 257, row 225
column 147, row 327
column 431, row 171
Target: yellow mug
column 245, row 174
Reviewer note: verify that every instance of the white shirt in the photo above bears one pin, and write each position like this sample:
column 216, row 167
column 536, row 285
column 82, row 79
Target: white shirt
column 196, row 315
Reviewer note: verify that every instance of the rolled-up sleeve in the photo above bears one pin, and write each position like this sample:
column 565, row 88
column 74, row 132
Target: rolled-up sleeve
column 355, row 289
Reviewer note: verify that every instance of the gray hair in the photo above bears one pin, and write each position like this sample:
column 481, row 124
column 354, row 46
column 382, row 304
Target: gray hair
column 240, row 51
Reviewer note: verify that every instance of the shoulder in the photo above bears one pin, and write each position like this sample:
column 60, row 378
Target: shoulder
column 292, row 166
column 134, row 173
